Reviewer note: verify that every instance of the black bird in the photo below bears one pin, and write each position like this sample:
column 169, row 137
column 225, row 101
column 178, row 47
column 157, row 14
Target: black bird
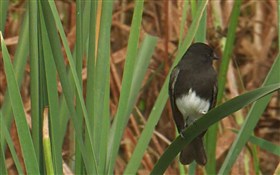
column 193, row 92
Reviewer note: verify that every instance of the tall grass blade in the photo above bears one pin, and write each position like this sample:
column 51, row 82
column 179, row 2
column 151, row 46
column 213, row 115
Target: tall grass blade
column 64, row 113
column 19, row 62
column 3, row 14
column 142, row 62
column 26, row 143
column 79, row 62
column 88, row 155
column 34, row 82
column 183, row 23
column 102, row 73
column 200, row 35
column 80, row 99
column 51, row 89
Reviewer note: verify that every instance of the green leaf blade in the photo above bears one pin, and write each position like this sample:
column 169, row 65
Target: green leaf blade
column 26, row 143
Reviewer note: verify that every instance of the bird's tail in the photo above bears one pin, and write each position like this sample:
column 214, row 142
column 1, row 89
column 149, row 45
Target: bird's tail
column 194, row 151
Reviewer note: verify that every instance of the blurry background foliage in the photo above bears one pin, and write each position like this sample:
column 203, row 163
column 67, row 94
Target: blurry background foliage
column 98, row 71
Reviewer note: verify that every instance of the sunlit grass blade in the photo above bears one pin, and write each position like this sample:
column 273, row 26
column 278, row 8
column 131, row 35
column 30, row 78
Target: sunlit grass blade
column 209, row 119
column 251, row 120
column 26, row 143
column 121, row 119
column 211, row 135
column 162, row 98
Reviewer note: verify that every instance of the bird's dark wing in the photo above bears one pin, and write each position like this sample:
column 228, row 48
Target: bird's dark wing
column 178, row 118
column 214, row 96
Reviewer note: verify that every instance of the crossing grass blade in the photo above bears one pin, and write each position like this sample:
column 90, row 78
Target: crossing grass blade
column 26, row 143
column 209, row 119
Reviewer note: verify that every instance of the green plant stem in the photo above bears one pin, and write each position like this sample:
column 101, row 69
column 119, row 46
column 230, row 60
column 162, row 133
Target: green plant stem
column 211, row 135
column 3, row 14
column 34, row 88
column 78, row 62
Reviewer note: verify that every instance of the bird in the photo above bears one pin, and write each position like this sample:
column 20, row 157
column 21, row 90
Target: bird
column 192, row 93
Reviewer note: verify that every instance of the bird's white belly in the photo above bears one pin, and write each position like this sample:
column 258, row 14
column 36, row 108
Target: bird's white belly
column 192, row 106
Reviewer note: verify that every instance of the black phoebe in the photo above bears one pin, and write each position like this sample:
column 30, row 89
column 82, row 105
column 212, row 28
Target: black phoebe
column 192, row 92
